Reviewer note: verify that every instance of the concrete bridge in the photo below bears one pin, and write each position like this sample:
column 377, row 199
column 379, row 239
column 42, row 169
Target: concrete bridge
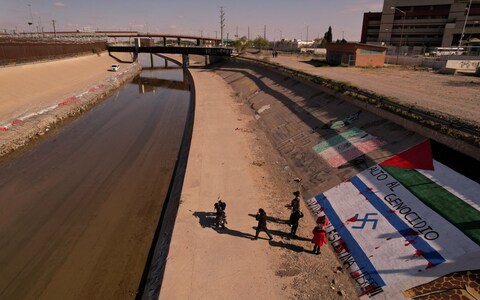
column 208, row 52
column 173, row 50
column 178, row 38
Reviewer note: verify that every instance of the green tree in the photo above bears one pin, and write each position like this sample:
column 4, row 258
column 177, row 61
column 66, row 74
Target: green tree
column 260, row 43
column 328, row 35
column 319, row 42
column 241, row 44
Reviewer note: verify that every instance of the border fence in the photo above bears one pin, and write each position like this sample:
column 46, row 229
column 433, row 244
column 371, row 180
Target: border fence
column 18, row 50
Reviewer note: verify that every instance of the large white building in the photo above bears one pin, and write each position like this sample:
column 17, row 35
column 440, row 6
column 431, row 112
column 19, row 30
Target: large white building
column 430, row 23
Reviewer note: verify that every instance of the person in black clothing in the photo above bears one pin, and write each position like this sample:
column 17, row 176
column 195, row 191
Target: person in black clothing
column 261, row 217
column 295, row 204
column 294, row 218
column 220, row 205
column 221, row 218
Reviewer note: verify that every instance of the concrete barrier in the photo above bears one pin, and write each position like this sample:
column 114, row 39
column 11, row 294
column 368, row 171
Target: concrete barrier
column 469, row 66
column 447, row 71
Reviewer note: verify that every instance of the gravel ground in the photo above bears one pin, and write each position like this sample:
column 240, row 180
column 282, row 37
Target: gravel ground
column 457, row 95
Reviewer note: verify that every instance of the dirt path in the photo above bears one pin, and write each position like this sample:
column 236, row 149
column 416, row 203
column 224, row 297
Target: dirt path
column 231, row 158
column 455, row 95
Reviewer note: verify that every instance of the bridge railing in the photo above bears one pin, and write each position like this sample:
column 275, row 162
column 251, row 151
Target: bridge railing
column 192, row 50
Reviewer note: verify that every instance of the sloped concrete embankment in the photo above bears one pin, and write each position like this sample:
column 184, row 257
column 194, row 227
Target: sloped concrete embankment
column 297, row 116
column 446, row 129
column 152, row 277
column 23, row 129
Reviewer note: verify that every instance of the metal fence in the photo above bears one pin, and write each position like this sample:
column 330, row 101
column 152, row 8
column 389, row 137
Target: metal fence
column 24, row 50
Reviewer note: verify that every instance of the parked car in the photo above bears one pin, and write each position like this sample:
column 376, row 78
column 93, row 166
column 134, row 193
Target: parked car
column 114, row 67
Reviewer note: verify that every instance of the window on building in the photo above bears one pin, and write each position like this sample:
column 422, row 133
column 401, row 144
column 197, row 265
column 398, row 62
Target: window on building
column 375, row 52
column 426, row 7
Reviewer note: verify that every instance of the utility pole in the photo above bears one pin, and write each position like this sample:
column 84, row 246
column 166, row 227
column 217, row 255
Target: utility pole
column 401, row 34
column 464, row 25
column 248, row 33
column 307, row 33
column 222, row 24
column 31, row 18
column 54, row 31
column 265, row 32
column 236, row 32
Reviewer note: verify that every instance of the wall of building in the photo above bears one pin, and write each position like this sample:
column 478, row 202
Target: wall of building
column 369, row 58
column 430, row 23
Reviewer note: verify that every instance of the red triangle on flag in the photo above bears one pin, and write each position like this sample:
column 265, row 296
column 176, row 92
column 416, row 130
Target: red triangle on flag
column 417, row 157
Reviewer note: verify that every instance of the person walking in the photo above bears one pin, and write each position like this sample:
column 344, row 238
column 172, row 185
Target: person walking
column 295, row 204
column 294, row 219
column 261, row 217
column 319, row 239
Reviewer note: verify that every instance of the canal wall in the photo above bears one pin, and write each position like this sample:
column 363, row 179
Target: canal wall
column 20, row 131
column 150, row 284
column 446, row 130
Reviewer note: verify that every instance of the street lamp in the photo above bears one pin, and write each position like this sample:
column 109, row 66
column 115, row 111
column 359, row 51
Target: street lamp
column 401, row 34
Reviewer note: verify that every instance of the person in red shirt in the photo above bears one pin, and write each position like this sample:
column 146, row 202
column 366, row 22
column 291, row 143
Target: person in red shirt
column 319, row 238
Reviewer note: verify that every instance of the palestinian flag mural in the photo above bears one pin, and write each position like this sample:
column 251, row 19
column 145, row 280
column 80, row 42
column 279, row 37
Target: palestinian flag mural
column 406, row 228
column 347, row 146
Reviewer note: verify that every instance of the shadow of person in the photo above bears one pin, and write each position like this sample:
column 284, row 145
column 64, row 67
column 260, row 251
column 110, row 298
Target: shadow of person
column 280, row 233
column 234, row 232
column 287, row 246
column 206, row 219
column 301, row 238
column 285, row 235
column 272, row 219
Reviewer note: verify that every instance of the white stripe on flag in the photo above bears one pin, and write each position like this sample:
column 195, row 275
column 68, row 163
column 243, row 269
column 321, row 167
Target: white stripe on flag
column 457, row 184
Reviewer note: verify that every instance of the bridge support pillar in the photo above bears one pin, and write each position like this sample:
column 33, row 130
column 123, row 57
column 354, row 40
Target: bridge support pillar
column 137, row 45
column 164, row 42
column 185, row 61
column 151, row 60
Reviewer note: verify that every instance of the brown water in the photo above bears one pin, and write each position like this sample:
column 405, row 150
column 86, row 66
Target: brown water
column 78, row 211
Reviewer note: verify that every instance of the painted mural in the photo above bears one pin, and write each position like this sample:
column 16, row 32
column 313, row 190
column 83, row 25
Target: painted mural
column 405, row 227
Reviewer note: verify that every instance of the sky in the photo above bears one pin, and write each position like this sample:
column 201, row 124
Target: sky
column 283, row 18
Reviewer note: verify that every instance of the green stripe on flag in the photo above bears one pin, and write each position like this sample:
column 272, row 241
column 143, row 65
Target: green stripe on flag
column 455, row 210
column 337, row 139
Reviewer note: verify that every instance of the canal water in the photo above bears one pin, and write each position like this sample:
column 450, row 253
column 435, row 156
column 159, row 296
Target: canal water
column 79, row 210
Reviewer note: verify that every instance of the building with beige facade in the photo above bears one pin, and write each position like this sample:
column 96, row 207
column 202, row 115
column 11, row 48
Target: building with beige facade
column 428, row 23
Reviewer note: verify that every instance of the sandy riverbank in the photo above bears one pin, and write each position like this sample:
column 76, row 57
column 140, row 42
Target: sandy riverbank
column 35, row 96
